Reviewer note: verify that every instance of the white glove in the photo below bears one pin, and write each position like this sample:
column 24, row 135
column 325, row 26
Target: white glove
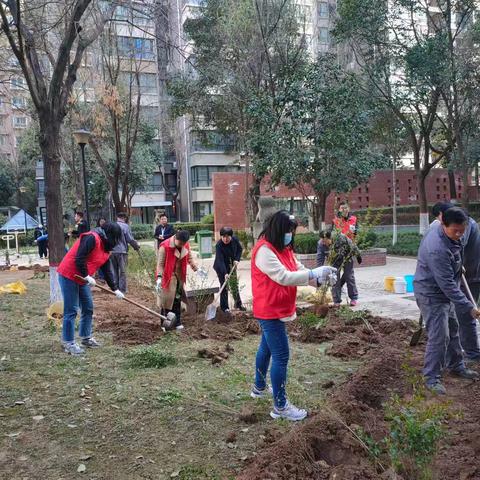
column 202, row 274
column 324, row 274
column 158, row 284
column 236, row 262
column 119, row 294
column 90, row 280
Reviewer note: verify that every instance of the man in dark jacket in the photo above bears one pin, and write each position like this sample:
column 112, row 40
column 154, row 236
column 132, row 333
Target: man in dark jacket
column 163, row 231
column 81, row 225
column 41, row 244
column 120, row 252
column 228, row 252
column 437, row 291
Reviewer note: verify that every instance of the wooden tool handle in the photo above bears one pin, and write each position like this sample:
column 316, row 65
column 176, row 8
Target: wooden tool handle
column 469, row 292
column 226, row 281
column 133, row 302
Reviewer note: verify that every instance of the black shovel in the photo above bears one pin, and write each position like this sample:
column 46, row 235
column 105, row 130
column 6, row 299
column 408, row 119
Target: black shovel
column 418, row 334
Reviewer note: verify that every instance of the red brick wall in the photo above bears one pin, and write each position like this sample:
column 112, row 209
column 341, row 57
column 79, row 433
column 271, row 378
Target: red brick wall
column 229, row 193
column 229, row 200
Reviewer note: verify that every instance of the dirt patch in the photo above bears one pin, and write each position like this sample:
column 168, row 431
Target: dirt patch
column 10, row 276
column 324, row 447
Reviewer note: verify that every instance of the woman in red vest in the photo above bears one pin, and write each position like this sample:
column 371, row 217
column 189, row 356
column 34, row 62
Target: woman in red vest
column 276, row 273
column 88, row 254
column 174, row 256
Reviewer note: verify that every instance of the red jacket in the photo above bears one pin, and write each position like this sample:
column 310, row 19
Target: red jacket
column 347, row 226
column 270, row 299
column 171, row 260
column 98, row 256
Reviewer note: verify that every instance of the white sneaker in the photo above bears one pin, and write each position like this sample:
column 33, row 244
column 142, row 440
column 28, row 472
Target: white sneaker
column 90, row 342
column 179, row 327
column 256, row 393
column 73, row 348
column 289, row 412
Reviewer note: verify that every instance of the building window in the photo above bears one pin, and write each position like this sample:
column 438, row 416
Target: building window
column 3, row 140
column 323, row 35
column 142, row 48
column 200, row 209
column 19, row 122
column 19, row 102
column 17, row 82
column 202, row 176
column 323, row 11
column 154, row 184
column 148, row 82
column 211, row 141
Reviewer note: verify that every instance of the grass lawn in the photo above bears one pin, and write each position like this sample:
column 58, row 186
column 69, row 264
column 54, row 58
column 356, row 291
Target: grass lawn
column 104, row 417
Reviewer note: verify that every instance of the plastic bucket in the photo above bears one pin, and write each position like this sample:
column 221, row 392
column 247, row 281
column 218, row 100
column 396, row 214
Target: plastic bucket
column 400, row 285
column 409, row 280
column 388, row 283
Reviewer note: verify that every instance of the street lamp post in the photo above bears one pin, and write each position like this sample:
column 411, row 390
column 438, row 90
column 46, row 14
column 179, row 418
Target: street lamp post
column 82, row 137
column 23, row 191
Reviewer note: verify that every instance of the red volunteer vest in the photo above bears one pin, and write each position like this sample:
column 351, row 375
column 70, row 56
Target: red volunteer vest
column 345, row 225
column 270, row 299
column 170, row 261
column 98, row 256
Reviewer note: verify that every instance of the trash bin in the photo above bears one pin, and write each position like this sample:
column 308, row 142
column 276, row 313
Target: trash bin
column 204, row 238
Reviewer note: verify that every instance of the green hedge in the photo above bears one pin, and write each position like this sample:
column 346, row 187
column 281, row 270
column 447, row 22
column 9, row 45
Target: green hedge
column 306, row 242
column 407, row 243
column 143, row 231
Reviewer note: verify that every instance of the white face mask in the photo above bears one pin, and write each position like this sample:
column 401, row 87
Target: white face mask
column 287, row 239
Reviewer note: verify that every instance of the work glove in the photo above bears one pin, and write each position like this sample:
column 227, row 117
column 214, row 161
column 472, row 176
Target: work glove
column 236, row 262
column 158, row 284
column 359, row 259
column 475, row 313
column 324, row 274
column 90, row 280
column 119, row 294
column 202, row 274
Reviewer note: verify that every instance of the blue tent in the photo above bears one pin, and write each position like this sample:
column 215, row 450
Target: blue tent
column 17, row 222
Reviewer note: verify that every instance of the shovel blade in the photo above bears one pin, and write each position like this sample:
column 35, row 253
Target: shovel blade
column 211, row 312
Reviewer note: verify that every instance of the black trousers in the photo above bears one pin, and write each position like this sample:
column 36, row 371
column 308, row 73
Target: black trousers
column 233, row 285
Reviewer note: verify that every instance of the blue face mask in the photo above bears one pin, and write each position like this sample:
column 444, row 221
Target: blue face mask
column 287, row 239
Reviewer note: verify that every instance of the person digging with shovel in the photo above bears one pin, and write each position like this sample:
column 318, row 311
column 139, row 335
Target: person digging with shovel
column 228, row 253
column 88, row 254
column 276, row 273
column 174, row 256
column 438, row 294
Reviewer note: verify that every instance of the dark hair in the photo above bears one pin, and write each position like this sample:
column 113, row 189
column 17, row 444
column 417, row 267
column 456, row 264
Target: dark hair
column 99, row 220
column 113, row 232
column 163, row 215
column 325, row 234
column 343, row 202
column 122, row 215
column 226, row 231
column 182, row 235
column 275, row 228
column 454, row 215
column 80, row 214
column 441, row 207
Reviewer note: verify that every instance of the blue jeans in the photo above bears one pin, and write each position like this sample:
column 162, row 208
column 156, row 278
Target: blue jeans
column 76, row 297
column 274, row 345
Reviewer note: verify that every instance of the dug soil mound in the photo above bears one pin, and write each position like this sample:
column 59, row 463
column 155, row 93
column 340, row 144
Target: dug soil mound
column 327, row 445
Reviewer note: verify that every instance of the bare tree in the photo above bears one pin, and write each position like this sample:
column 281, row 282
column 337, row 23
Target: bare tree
column 49, row 41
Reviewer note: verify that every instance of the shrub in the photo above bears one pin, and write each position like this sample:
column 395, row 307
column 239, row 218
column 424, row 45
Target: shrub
column 306, row 243
column 246, row 239
column 150, row 357
column 311, row 320
column 407, row 243
column 207, row 219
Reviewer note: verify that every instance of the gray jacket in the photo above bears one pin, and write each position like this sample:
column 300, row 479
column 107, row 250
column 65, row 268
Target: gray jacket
column 125, row 240
column 471, row 260
column 439, row 270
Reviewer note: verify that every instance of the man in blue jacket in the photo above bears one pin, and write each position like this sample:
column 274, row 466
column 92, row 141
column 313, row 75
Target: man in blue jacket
column 471, row 261
column 228, row 252
column 438, row 294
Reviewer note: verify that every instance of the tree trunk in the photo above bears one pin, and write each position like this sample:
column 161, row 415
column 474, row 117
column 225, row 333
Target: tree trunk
column 466, row 184
column 254, row 195
column 452, row 184
column 422, row 201
column 49, row 144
